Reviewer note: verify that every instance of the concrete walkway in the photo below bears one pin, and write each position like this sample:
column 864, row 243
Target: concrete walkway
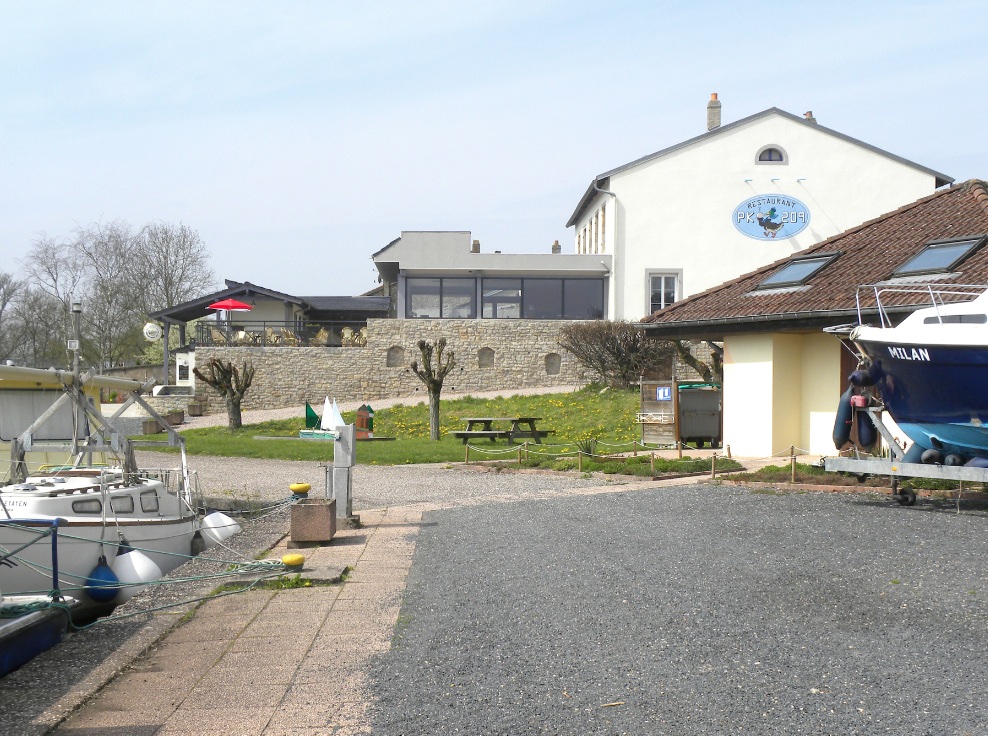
column 282, row 662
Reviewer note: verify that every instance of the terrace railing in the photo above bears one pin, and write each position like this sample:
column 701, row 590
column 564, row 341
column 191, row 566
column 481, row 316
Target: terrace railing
column 247, row 333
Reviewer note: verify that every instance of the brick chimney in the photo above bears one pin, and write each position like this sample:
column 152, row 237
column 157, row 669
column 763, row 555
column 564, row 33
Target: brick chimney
column 556, row 248
column 809, row 116
column 713, row 112
column 475, row 247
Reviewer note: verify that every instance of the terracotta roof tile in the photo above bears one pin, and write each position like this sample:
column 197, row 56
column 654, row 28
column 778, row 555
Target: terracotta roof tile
column 870, row 253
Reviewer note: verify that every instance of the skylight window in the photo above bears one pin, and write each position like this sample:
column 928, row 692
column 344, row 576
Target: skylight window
column 939, row 256
column 798, row 271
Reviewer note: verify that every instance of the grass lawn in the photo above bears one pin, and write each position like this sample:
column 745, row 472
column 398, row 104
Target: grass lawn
column 578, row 418
column 815, row 475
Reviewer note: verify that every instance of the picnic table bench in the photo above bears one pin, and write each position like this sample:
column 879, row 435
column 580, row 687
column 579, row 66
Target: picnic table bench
column 521, row 427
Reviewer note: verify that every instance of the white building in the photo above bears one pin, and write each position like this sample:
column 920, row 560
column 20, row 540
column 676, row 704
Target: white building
column 704, row 211
column 668, row 225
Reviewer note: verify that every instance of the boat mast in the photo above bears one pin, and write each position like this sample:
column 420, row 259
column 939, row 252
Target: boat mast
column 78, row 415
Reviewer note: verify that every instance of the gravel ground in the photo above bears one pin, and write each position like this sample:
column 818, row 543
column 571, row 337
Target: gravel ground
column 663, row 612
column 57, row 680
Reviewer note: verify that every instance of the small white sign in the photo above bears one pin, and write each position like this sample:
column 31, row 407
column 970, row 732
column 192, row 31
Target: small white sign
column 73, row 344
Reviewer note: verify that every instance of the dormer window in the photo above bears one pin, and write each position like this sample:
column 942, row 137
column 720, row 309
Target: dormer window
column 798, row 271
column 940, row 256
column 771, row 155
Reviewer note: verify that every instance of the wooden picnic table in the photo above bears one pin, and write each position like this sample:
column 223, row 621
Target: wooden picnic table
column 521, row 427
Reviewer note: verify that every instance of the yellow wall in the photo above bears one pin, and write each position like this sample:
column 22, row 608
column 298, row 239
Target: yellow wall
column 787, row 392
column 822, row 386
column 781, row 390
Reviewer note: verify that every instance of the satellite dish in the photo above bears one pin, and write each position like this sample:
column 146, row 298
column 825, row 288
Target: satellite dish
column 152, row 331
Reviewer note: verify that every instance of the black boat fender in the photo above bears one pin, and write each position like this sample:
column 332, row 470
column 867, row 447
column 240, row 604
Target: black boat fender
column 932, row 457
column 845, row 416
column 861, row 379
column 867, row 431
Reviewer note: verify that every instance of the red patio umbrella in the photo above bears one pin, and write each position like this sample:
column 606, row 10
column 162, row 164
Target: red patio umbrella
column 230, row 305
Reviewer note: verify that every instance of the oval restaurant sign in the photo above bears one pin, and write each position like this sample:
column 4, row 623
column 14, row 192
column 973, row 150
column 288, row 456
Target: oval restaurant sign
column 769, row 216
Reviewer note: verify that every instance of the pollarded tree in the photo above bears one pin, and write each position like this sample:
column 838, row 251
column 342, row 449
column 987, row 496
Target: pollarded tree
column 433, row 376
column 231, row 383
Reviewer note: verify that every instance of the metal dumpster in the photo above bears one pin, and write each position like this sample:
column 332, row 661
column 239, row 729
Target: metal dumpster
column 700, row 413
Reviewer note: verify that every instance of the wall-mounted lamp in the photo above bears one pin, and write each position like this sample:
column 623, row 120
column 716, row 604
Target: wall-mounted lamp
column 748, row 181
column 775, row 179
column 799, row 180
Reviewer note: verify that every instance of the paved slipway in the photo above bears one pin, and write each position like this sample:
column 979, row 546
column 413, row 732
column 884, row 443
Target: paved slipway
column 503, row 603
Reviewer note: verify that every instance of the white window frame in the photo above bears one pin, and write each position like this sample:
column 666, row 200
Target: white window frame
column 780, row 149
column 676, row 274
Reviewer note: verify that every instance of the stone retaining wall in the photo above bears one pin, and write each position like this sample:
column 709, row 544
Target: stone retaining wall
column 490, row 355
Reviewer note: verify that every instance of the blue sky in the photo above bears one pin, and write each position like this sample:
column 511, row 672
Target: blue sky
column 299, row 138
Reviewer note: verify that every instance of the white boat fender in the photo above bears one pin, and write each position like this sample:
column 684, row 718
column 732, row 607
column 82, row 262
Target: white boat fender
column 134, row 570
column 216, row 527
column 102, row 584
column 977, row 462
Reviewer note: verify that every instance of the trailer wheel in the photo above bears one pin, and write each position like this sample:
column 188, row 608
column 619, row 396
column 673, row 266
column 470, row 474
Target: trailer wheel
column 905, row 498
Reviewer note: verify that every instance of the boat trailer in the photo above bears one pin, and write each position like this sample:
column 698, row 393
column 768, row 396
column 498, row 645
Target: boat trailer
column 894, row 466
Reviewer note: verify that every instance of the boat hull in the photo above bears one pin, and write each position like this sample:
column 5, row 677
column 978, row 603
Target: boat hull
column 168, row 543
column 25, row 637
column 935, row 393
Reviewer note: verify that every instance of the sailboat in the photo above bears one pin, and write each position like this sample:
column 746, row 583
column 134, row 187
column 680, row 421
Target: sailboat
column 77, row 516
column 326, row 427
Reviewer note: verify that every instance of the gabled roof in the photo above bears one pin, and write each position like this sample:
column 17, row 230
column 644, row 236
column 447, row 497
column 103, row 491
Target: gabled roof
column 197, row 308
column 869, row 254
column 602, row 179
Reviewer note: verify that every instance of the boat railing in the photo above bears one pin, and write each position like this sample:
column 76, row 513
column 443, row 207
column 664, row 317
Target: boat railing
column 886, row 296
column 181, row 482
column 49, row 527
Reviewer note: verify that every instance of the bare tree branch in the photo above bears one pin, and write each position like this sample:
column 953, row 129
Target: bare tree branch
column 433, row 377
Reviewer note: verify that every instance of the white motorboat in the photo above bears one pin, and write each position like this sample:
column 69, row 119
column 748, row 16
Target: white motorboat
column 931, row 368
column 118, row 527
